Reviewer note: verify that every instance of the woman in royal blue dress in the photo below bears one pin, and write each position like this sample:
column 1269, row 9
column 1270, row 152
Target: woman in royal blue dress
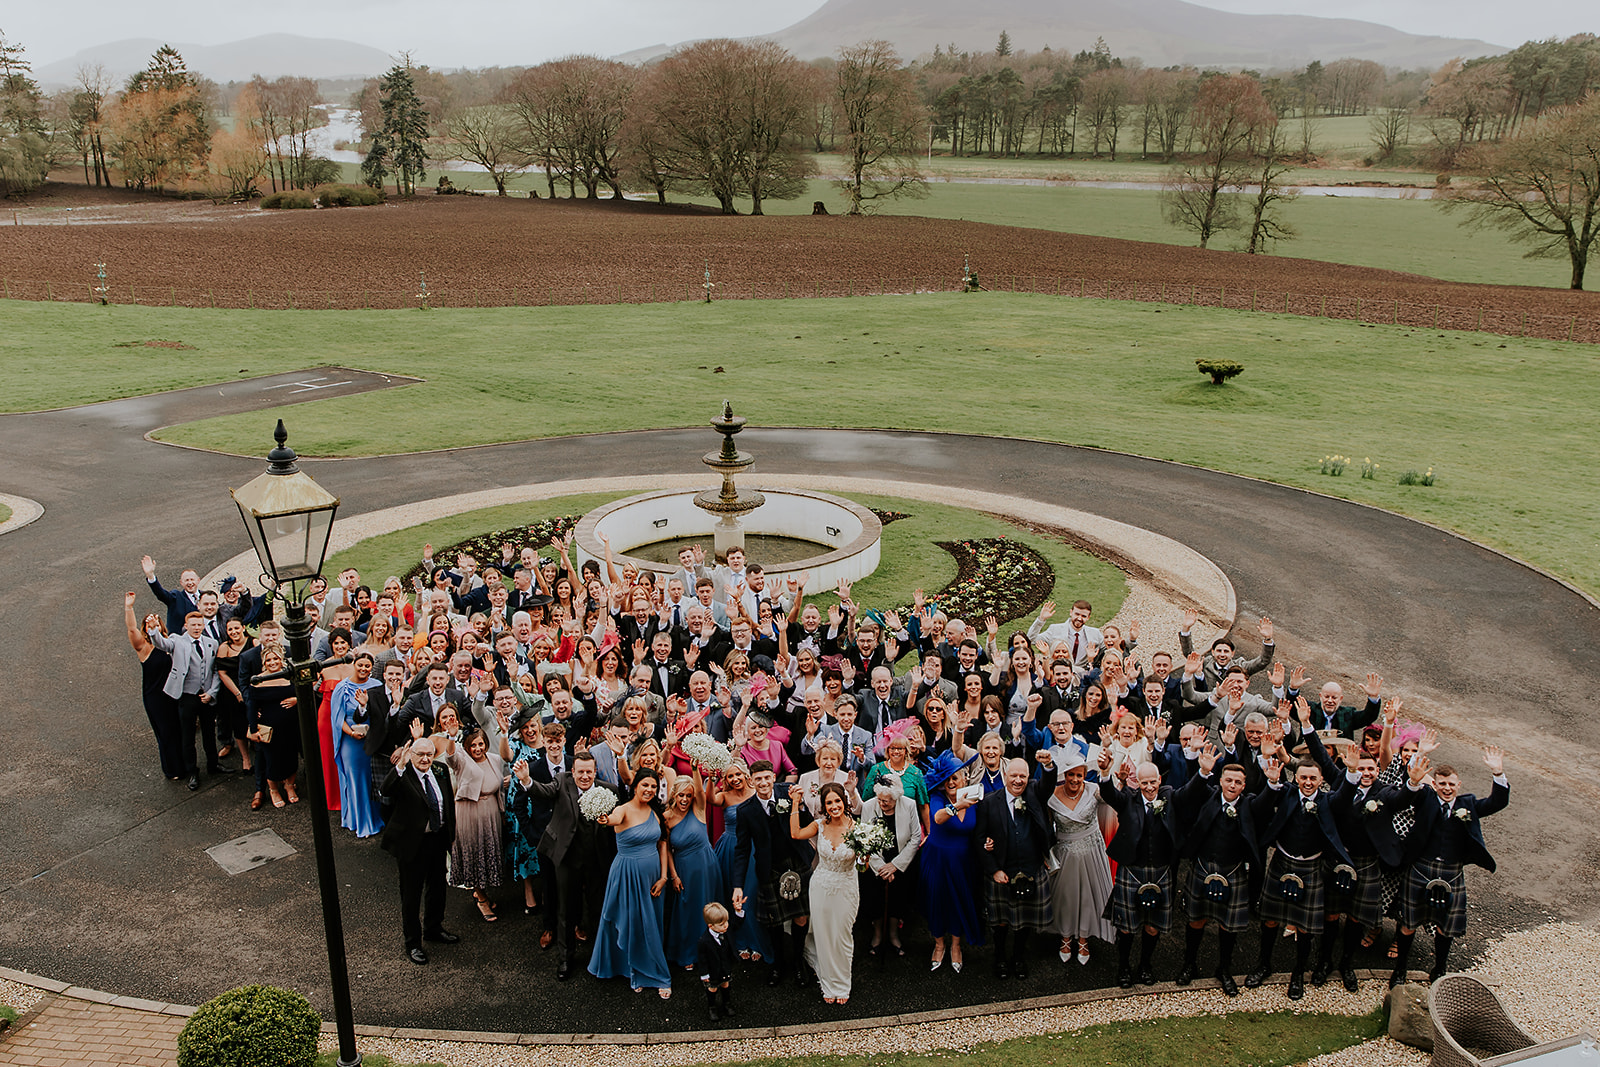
column 348, row 715
column 695, row 874
column 749, row 939
column 949, row 896
column 628, row 942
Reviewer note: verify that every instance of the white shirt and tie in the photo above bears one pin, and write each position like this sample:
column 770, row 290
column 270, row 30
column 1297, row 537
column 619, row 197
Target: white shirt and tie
column 430, row 789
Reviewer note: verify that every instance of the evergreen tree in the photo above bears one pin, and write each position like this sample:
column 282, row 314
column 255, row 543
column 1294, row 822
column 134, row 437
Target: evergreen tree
column 1002, row 47
column 400, row 144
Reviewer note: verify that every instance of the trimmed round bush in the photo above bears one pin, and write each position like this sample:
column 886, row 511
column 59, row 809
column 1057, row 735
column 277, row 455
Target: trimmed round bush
column 252, row 1026
column 289, row 198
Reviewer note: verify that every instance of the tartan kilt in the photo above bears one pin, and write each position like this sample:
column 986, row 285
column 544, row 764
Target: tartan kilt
column 1123, row 908
column 1307, row 913
column 1364, row 903
column 1233, row 914
column 1032, row 912
column 775, row 911
column 1414, row 910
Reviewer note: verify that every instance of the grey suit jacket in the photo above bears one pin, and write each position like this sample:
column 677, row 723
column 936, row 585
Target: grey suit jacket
column 182, row 651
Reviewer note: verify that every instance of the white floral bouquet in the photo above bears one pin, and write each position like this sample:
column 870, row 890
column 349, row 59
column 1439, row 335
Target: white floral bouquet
column 867, row 838
column 596, row 802
column 707, row 753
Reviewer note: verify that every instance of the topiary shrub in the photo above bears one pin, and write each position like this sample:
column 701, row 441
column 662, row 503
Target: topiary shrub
column 1219, row 369
column 320, row 171
column 252, row 1026
column 348, row 195
column 289, row 198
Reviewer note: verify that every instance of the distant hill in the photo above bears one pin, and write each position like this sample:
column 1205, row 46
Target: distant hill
column 270, row 55
column 1160, row 32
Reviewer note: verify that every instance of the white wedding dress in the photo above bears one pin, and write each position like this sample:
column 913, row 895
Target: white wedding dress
column 835, row 896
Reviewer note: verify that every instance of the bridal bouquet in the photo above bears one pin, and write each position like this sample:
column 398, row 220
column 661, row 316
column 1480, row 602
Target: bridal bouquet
column 596, row 801
column 867, row 838
column 707, row 753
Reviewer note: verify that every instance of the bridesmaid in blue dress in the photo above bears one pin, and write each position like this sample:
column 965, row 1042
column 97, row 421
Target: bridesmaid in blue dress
column 628, row 942
column 348, row 714
column 694, row 871
column 749, row 939
column 949, row 864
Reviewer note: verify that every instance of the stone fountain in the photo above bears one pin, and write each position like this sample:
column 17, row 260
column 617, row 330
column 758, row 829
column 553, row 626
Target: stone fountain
column 728, row 503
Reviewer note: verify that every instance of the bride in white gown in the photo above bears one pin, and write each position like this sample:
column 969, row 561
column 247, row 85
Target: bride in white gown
column 835, row 894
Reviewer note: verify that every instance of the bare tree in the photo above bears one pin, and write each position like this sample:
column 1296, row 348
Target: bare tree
column 1270, row 165
column 1105, row 104
column 1389, row 128
column 1459, row 103
column 1228, row 112
column 491, row 136
column 778, row 95
column 876, row 102
column 1542, row 186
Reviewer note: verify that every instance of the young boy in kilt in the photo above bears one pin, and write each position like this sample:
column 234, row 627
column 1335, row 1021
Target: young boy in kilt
column 1448, row 836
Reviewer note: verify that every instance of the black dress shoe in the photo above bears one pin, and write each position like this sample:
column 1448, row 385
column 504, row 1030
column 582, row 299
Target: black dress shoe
column 194, row 782
column 1019, row 969
column 220, row 770
column 1125, row 978
column 1229, row 986
column 1348, row 974
column 1319, row 974
column 1001, row 970
column 1255, row 978
column 1398, row 977
column 774, row 976
column 442, row 936
column 1147, row 978
column 563, row 970
column 1185, row 976
column 1436, row 974
column 417, row 956
column 1297, row 986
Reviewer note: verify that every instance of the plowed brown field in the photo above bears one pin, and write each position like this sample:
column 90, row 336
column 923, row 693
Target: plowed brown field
column 482, row 251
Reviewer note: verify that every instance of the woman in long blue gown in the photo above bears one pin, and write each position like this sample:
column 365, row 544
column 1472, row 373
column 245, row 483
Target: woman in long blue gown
column 750, row 938
column 348, row 714
column 695, row 874
column 949, row 893
column 628, row 941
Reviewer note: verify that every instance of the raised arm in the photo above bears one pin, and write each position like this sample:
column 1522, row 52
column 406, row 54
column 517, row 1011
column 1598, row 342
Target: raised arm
column 141, row 644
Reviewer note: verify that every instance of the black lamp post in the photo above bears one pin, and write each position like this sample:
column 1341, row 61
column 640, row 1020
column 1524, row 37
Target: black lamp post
column 290, row 518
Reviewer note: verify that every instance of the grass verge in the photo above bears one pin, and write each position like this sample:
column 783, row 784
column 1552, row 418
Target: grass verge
column 911, row 560
column 5, row 513
column 1238, row 1039
column 1501, row 420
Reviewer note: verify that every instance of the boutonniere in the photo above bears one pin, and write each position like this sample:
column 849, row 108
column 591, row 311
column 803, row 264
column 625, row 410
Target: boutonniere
column 1373, row 805
column 1463, row 814
column 1231, row 811
column 1311, row 807
column 782, row 806
column 1022, row 804
column 1158, row 806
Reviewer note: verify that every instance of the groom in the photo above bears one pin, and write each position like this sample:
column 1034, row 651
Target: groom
column 783, row 869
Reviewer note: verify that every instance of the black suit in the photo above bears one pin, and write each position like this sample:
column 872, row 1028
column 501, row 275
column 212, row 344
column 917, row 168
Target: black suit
column 579, row 850
column 420, row 706
column 766, row 837
column 418, row 833
column 1455, row 840
column 713, row 957
column 1019, row 843
column 1143, row 839
column 677, row 677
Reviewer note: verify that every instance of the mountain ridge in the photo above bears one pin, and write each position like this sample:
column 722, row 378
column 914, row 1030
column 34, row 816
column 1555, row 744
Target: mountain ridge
column 271, row 55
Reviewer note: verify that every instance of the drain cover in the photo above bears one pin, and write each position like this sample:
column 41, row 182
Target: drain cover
column 250, row 851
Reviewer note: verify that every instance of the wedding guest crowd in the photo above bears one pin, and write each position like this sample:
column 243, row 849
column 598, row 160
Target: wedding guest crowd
column 704, row 776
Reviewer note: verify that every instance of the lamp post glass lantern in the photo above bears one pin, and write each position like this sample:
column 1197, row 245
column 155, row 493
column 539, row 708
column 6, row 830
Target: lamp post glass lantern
column 290, row 518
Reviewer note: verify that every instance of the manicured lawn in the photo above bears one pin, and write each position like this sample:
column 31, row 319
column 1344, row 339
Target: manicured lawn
column 911, row 560
column 1505, row 422
column 5, row 513
column 1238, row 1039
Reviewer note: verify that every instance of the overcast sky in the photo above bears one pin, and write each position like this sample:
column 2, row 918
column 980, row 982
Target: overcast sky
column 451, row 33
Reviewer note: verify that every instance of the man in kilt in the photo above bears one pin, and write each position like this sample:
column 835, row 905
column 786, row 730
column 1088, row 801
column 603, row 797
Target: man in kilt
column 1015, row 831
column 782, row 866
column 1220, row 840
column 1355, row 897
column 1297, row 822
column 1447, row 837
column 1144, row 847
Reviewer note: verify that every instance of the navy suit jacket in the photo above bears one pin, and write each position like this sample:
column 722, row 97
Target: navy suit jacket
column 1133, row 822
column 1430, row 821
column 1203, row 796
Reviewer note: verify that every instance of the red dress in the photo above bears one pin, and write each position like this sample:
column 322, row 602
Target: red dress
column 330, row 769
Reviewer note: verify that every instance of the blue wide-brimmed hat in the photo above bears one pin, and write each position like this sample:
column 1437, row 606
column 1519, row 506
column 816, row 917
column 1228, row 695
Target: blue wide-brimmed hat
column 937, row 771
